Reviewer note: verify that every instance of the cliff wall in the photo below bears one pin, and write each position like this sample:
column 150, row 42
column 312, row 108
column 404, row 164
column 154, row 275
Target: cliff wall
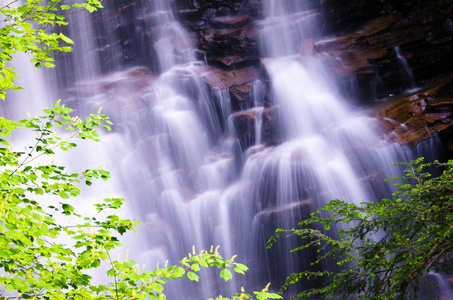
column 393, row 58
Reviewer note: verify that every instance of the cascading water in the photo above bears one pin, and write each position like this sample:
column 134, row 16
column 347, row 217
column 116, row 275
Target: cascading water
column 330, row 150
column 185, row 172
column 406, row 72
column 178, row 164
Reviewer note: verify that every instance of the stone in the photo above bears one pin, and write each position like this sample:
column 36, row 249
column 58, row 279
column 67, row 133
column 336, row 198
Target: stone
column 239, row 82
column 302, row 208
column 236, row 21
column 367, row 53
column 418, row 117
column 273, row 133
column 229, row 42
column 244, row 125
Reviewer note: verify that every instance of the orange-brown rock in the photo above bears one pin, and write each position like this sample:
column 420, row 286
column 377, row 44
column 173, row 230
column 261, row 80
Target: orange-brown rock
column 244, row 123
column 418, row 117
column 368, row 53
column 239, row 82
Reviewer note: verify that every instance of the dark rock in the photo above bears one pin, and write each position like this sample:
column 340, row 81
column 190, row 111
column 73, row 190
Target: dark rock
column 270, row 215
column 231, row 21
column 368, row 54
column 273, row 133
column 244, row 123
column 226, row 33
column 418, row 117
column 230, row 42
column 361, row 54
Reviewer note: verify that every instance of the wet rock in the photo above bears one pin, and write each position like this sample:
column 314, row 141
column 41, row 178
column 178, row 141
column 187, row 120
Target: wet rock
column 239, row 83
column 367, row 53
column 231, row 21
column 273, row 133
column 236, row 42
column 271, row 215
column 418, row 117
column 361, row 53
column 226, row 32
column 244, row 123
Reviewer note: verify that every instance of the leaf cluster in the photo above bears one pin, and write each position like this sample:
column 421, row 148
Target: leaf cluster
column 24, row 27
column 384, row 248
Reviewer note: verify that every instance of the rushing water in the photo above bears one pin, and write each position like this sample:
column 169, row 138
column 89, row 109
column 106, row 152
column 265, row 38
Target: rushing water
column 185, row 173
column 406, row 72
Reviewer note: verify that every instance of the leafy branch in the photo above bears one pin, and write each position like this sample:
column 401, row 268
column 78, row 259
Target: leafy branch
column 415, row 235
column 23, row 30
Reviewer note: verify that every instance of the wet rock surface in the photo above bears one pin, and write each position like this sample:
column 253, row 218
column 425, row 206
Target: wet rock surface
column 369, row 46
column 365, row 45
column 420, row 116
column 227, row 35
column 245, row 125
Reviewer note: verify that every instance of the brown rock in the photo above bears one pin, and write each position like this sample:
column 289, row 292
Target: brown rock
column 244, row 124
column 231, row 21
column 269, row 215
column 273, row 133
column 307, row 47
column 224, row 79
column 368, row 53
column 239, row 82
column 230, row 42
column 417, row 117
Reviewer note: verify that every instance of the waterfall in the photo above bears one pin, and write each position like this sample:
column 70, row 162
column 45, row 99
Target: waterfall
column 178, row 158
column 406, row 72
column 179, row 162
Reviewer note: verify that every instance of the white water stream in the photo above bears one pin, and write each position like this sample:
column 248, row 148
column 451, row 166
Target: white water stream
column 184, row 173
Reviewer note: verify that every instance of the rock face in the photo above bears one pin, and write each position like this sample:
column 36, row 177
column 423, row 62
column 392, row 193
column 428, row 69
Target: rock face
column 377, row 50
column 417, row 117
column 225, row 29
column 375, row 53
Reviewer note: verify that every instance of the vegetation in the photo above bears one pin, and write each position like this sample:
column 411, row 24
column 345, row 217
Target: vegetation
column 23, row 28
column 41, row 256
column 385, row 248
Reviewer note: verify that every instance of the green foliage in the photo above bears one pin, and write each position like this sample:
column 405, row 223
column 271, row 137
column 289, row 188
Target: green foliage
column 384, row 248
column 25, row 28
column 263, row 295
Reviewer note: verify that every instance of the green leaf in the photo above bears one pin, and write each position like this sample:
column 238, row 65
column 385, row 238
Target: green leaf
column 192, row 276
column 179, row 272
column 226, row 274
column 67, row 208
column 66, row 39
column 195, row 267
